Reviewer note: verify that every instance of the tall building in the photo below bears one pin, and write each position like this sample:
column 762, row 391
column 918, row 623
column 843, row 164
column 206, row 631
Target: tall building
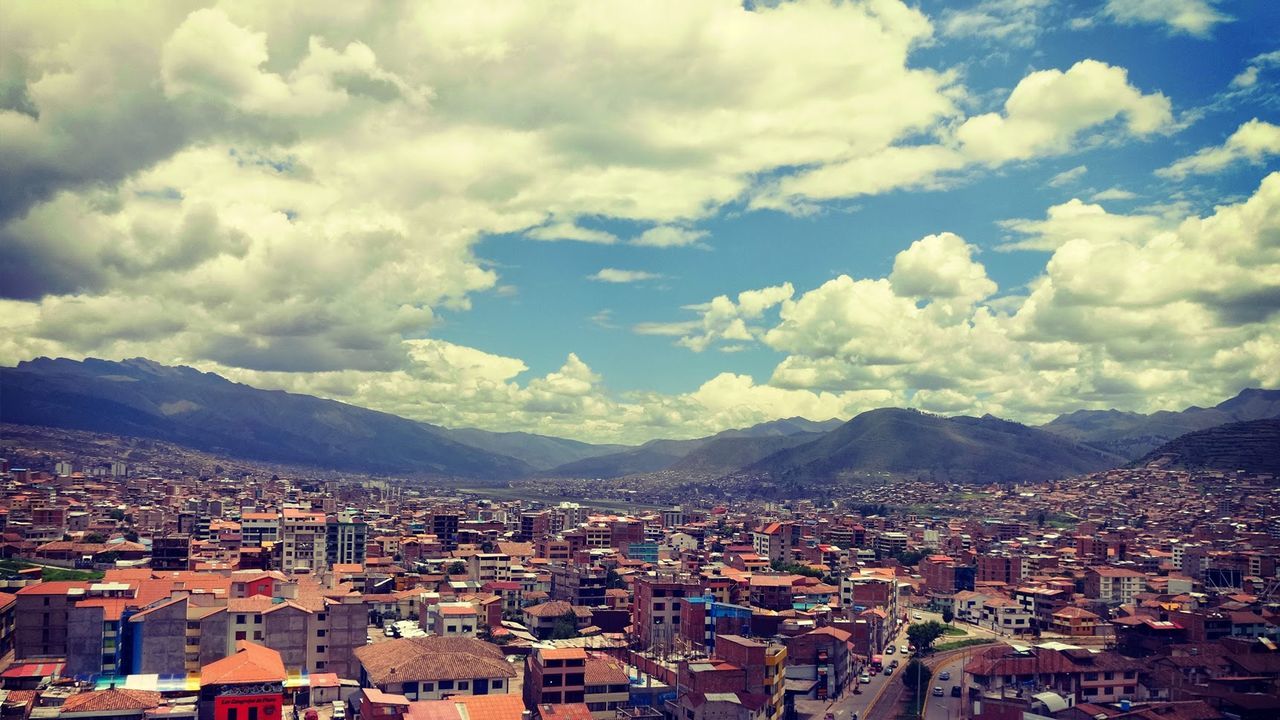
column 171, row 552
column 655, row 616
column 259, row 528
column 444, row 525
column 304, row 536
column 346, row 536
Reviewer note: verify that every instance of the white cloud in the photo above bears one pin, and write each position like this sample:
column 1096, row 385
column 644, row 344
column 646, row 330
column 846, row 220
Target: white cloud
column 614, row 275
column 1067, row 177
column 1193, row 17
column 1253, row 142
column 664, row 236
column 1113, row 193
column 569, row 231
column 1248, row 78
column 1048, row 110
column 1017, row 22
column 723, row 319
column 940, row 267
column 1077, row 219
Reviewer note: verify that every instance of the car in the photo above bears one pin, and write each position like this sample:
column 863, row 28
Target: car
column 937, row 691
column 865, row 679
column 388, row 628
column 917, row 616
column 944, row 676
column 904, row 649
column 955, row 691
column 888, row 671
column 339, row 710
column 889, row 650
column 894, row 664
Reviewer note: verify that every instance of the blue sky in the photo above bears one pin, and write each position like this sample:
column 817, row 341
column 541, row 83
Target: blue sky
column 619, row 221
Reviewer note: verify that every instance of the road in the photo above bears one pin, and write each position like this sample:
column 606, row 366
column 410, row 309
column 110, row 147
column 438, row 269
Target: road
column 849, row 703
column 947, row 707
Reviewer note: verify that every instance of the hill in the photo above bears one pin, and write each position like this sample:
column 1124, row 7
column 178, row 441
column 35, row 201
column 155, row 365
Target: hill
column 1133, row 435
column 1252, row 446
column 718, row 454
column 207, row 412
column 908, row 442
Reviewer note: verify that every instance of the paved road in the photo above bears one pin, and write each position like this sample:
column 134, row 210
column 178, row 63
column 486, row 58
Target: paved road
column 844, row 707
column 947, row 707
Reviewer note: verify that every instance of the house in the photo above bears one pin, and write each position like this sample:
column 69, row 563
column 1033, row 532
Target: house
column 1074, row 621
column 431, row 668
column 542, row 618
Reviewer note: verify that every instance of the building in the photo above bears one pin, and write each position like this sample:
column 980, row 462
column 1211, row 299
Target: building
column 259, row 528
column 655, row 615
column 555, row 676
column 345, row 540
column 1112, row 585
column 40, row 629
column 542, row 619
column 432, row 668
column 303, row 537
column 247, row 684
column 171, row 552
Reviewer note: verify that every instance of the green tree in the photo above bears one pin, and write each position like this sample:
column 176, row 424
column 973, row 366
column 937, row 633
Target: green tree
column 95, row 538
column 614, row 581
column 566, row 627
column 948, row 615
column 910, row 557
column 457, row 568
column 922, row 635
column 916, row 674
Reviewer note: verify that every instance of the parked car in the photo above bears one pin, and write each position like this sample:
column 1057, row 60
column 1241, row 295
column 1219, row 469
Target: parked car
column 339, row 710
column 864, row 678
column 894, row 664
column 955, row 691
column 945, row 675
column 889, row 650
column 917, row 616
column 888, row 670
column 904, row 649
column 937, row 691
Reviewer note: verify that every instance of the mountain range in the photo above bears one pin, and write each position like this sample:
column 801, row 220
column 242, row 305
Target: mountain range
column 207, row 412
column 1133, row 435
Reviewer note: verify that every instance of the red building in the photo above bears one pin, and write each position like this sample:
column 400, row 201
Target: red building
column 248, row 685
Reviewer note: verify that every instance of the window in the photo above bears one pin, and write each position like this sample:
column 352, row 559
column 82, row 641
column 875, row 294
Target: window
column 495, row 684
column 241, row 635
column 657, row 621
column 239, row 619
column 320, row 664
column 1091, row 676
column 446, row 684
column 320, row 632
column 428, row 687
column 320, row 648
column 464, row 684
column 1130, row 689
column 659, row 606
column 1090, row 691
column 1109, row 676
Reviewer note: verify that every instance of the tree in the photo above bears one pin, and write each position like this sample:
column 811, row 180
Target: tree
column 910, row 557
column 457, row 568
column 566, row 627
column 948, row 615
column 614, row 581
column 922, row 635
column 915, row 674
column 97, row 538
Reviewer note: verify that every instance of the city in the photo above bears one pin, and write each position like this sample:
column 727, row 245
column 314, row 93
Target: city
column 154, row 591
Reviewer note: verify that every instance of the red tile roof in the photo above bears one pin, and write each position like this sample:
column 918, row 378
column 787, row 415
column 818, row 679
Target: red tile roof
column 111, row 700
column 251, row 664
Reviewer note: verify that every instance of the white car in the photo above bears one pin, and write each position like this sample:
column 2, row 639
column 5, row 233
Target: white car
column 904, row 649
column 865, row 679
column 945, row 675
column 917, row 616
column 937, row 691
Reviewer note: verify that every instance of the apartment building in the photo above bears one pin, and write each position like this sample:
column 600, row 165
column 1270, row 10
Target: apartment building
column 303, row 538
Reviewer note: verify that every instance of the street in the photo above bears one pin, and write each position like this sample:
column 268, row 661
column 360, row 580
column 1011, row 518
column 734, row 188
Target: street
column 849, row 703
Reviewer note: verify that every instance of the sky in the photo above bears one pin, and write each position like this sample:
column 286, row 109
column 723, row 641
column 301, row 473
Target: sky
column 616, row 221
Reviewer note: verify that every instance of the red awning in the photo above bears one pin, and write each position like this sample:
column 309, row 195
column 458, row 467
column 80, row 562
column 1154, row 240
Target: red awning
column 34, row 670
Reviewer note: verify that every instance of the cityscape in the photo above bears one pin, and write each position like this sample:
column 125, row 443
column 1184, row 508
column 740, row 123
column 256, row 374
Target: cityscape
column 640, row 360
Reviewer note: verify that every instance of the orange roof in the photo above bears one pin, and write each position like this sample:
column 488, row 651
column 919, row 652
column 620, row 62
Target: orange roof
column 53, row 587
column 468, row 707
column 571, row 653
column 251, row 664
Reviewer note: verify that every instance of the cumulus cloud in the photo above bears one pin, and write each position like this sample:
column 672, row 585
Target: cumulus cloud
column 1076, row 219
column 1049, row 108
column 614, row 275
column 1253, row 142
column 1192, row 17
column 723, row 319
